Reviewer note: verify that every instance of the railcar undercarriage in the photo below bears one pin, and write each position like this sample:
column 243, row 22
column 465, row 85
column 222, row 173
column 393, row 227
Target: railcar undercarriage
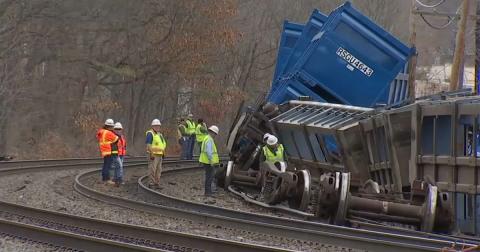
column 332, row 165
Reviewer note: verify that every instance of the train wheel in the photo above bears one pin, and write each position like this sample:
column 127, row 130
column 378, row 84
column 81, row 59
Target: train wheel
column 301, row 199
column 430, row 209
column 341, row 216
column 228, row 175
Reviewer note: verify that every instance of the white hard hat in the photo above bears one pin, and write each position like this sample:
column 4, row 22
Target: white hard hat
column 109, row 122
column 265, row 137
column 272, row 140
column 118, row 125
column 214, row 129
column 156, row 122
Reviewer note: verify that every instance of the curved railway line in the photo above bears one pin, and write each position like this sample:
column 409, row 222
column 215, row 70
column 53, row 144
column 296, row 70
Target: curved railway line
column 87, row 234
column 378, row 238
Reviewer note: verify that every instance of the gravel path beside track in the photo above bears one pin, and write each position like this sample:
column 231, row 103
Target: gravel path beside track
column 53, row 190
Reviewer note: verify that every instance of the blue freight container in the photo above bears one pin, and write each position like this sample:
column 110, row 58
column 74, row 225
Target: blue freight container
column 399, row 88
column 290, row 34
column 350, row 61
column 310, row 29
column 292, row 89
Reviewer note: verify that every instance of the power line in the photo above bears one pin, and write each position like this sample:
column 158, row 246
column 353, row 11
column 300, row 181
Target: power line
column 430, row 6
column 451, row 18
column 449, row 22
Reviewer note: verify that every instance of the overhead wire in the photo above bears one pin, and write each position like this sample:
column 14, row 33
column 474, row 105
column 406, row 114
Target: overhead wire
column 448, row 23
column 430, row 6
column 450, row 20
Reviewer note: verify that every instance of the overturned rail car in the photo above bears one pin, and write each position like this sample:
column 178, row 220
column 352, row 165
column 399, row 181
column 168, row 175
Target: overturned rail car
column 356, row 147
column 332, row 149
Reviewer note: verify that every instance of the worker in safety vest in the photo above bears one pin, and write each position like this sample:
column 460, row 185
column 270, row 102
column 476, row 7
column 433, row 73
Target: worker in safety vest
column 251, row 171
column 122, row 150
column 209, row 158
column 190, row 130
column 272, row 151
column 107, row 141
column 156, row 146
column 201, row 132
column 182, row 137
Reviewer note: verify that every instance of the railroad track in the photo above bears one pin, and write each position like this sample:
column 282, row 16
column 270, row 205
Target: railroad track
column 81, row 233
column 219, row 216
column 377, row 238
column 65, row 240
column 57, row 162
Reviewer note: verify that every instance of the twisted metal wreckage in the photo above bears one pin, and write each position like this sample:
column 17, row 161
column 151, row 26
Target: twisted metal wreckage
column 357, row 147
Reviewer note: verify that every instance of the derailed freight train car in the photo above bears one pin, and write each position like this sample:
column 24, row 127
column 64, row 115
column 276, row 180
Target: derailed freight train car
column 344, row 83
column 347, row 150
column 349, row 153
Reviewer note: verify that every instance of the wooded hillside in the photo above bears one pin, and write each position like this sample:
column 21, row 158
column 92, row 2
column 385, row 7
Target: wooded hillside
column 67, row 65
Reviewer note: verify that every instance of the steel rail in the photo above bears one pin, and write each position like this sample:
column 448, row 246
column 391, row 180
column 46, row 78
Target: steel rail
column 280, row 208
column 71, row 240
column 46, row 162
column 168, row 200
column 114, row 233
column 275, row 226
column 403, row 231
column 120, row 234
column 155, row 209
column 66, row 163
column 375, row 226
column 69, row 161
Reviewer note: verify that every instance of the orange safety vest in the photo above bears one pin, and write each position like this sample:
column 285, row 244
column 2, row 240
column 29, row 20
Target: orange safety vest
column 122, row 146
column 107, row 141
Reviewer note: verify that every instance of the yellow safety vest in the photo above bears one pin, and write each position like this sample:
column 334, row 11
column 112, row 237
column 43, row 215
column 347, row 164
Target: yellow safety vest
column 273, row 157
column 199, row 133
column 203, row 154
column 158, row 143
column 190, row 127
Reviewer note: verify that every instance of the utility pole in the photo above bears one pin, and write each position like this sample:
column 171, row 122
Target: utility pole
column 412, row 64
column 459, row 54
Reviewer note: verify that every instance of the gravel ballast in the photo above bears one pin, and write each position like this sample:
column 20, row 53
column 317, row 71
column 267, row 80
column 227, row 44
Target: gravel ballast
column 13, row 244
column 53, row 190
column 187, row 185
